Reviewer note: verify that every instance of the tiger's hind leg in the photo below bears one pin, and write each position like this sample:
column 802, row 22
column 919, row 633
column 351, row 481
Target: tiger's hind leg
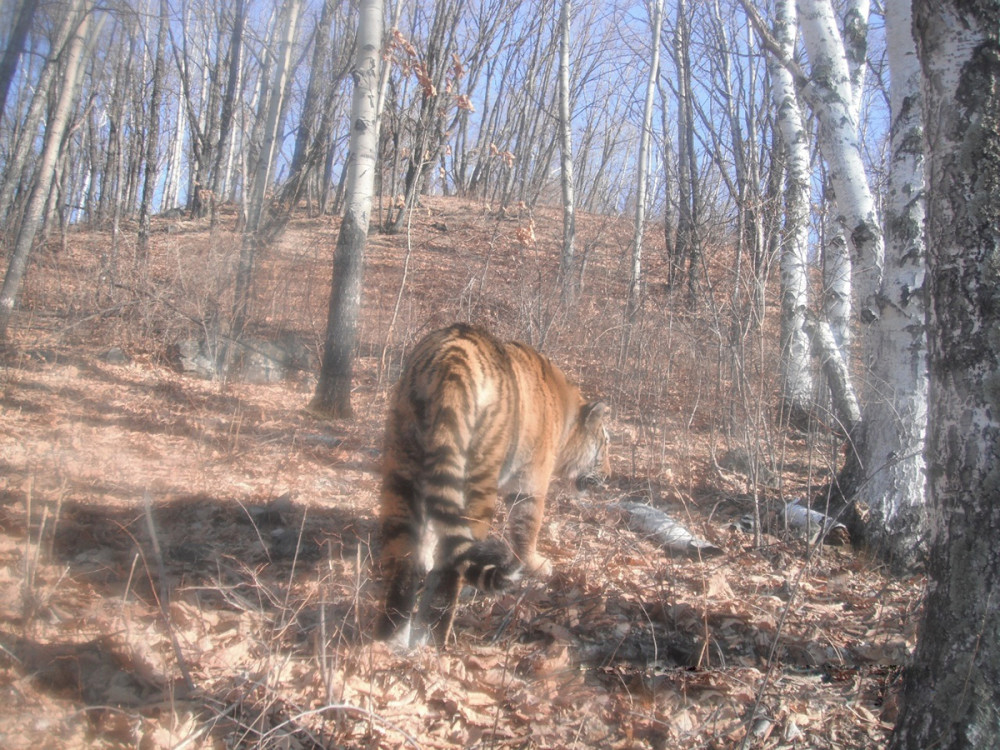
column 439, row 600
column 402, row 585
column 487, row 564
column 401, row 566
column 439, row 604
column 524, row 524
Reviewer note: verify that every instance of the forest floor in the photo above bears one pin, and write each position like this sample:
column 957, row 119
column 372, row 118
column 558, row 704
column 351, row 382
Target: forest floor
column 186, row 563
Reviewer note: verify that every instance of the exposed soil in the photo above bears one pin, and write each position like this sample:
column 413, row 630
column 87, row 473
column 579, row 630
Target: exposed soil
column 186, row 563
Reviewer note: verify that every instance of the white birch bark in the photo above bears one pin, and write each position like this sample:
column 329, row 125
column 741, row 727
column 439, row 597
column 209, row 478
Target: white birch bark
column 831, row 99
column 172, row 180
column 796, row 376
column 952, row 688
column 891, row 443
column 837, row 265
column 855, row 35
column 566, row 276
column 275, row 104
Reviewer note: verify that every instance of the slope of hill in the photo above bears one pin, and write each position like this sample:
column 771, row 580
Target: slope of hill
column 185, row 563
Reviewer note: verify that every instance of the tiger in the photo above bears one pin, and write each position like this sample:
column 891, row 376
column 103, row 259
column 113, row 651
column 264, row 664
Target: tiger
column 472, row 416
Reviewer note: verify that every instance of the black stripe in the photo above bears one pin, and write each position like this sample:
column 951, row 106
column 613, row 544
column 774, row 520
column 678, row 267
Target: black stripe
column 442, row 480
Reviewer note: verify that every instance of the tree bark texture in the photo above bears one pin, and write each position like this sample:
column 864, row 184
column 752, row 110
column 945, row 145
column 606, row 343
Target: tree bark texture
column 831, row 99
column 333, row 391
column 889, row 447
column 796, row 376
column 952, row 690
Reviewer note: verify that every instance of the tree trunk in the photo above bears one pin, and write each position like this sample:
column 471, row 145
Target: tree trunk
column 19, row 161
column 153, row 135
column 633, row 294
column 566, row 260
column 253, row 237
column 31, row 221
column 307, row 153
column 233, row 79
column 830, row 81
column 333, row 391
column 175, row 156
column 687, row 247
column 886, row 469
column 796, row 377
column 952, row 690
column 15, row 46
column 837, row 265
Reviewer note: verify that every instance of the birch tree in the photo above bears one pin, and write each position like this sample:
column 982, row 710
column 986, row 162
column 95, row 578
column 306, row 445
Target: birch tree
column 886, row 468
column 837, row 263
column 952, row 690
column 832, row 101
column 796, row 375
column 333, row 391
column 566, row 276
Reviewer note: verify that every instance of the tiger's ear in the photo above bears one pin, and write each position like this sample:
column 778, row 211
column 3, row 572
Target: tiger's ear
column 594, row 412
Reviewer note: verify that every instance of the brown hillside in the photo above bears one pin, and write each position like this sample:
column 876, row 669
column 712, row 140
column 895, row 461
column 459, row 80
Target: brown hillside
column 185, row 563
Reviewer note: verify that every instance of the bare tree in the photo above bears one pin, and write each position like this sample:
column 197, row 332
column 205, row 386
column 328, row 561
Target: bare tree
column 432, row 68
column 19, row 161
column 153, row 133
column 796, row 376
column 886, row 467
column 333, row 391
column 952, row 689
column 830, row 78
column 34, row 211
column 687, row 248
column 566, row 276
column 256, row 209
column 633, row 294
column 15, row 46
column 233, row 79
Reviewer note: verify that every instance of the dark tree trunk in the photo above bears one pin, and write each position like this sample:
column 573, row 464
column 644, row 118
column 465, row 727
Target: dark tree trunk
column 229, row 98
column 153, row 135
column 952, row 690
column 15, row 46
column 333, row 391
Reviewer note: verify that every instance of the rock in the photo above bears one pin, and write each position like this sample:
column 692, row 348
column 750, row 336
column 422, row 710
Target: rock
column 253, row 360
column 192, row 356
column 116, row 356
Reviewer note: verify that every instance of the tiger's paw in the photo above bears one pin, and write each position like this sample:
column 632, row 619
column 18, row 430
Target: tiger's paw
column 538, row 566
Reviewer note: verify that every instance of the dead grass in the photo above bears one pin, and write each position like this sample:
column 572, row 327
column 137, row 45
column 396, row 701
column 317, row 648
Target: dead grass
column 233, row 609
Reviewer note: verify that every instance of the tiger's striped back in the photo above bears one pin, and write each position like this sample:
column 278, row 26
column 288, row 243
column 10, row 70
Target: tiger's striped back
column 472, row 416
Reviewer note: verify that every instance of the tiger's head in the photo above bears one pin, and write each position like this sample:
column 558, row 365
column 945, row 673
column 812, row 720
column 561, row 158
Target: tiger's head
column 585, row 457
